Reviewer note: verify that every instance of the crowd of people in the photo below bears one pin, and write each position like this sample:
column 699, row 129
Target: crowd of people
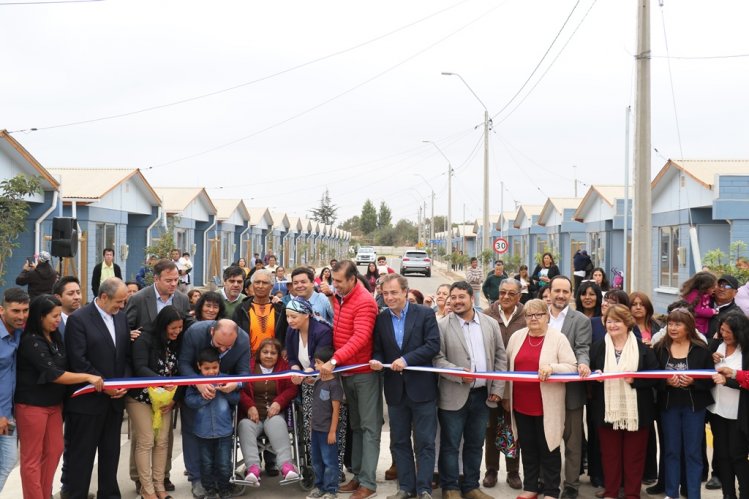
column 444, row 421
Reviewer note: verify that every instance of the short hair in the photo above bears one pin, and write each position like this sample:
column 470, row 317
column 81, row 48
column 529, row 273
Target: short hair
column 193, row 292
column 208, row 354
column 620, row 312
column 474, row 259
column 104, row 253
column 381, row 258
column 185, row 254
column 136, row 283
column 268, row 341
column 173, row 250
column 110, row 286
column 496, row 262
column 324, row 354
column 233, row 271
column 560, row 277
column 267, row 273
column 444, row 285
column 210, row 297
column 512, row 281
column 462, row 286
column 59, row 287
column 15, row 295
column 680, row 304
column 348, row 267
column 303, row 270
column 536, row 305
column 164, row 265
column 618, row 296
column 402, row 281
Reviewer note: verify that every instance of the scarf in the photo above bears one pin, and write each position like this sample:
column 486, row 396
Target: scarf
column 620, row 399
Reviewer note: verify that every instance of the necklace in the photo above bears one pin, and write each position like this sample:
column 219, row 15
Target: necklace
column 537, row 344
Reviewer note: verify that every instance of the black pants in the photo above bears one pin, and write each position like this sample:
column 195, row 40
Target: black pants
column 730, row 448
column 85, row 434
column 536, row 457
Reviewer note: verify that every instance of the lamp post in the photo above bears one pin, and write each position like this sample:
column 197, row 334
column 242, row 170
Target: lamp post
column 431, row 224
column 485, row 242
column 449, row 197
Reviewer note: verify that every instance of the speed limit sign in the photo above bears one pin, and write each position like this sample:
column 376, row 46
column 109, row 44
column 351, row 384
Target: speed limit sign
column 501, row 245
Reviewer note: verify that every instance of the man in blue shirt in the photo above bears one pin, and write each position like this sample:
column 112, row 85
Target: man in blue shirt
column 303, row 284
column 407, row 335
column 13, row 315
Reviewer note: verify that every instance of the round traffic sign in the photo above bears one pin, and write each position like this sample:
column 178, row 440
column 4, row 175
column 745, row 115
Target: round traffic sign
column 501, row 245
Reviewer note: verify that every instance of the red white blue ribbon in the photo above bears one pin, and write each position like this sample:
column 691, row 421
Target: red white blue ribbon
column 131, row 383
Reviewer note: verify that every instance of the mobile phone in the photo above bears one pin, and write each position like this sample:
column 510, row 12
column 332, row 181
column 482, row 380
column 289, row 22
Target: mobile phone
column 11, row 428
column 30, row 260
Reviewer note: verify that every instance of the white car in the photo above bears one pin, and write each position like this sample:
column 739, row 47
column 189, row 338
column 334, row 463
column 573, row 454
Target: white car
column 365, row 255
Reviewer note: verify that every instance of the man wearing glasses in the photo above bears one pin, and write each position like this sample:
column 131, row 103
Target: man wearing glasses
column 724, row 302
column 508, row 312
column 262, row 315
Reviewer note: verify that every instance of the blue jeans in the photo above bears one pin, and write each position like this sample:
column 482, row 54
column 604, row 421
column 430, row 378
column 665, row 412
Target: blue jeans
column 422, row 417
column 468, row 422
column 215, row 464
column 683, row 428
column 324, row 462
column 190, row 444
column 8, row 456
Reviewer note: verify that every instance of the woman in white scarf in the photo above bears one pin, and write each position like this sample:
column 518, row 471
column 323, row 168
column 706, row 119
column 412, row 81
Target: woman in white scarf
column 623, row 409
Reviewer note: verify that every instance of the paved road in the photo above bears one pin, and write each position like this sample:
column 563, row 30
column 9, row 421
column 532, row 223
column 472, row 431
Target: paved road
column 270, row 486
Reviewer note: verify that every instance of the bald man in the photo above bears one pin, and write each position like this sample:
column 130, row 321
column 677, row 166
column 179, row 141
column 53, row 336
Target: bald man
column 233, row 343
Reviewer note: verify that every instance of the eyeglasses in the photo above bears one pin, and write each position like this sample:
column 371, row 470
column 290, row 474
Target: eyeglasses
column 535, row 316
column 508, row 293
column 725, row 286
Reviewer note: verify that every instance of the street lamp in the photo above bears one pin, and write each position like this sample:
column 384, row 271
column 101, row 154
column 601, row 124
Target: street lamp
column 449, row 197
column 485, row 240
column 431, row 225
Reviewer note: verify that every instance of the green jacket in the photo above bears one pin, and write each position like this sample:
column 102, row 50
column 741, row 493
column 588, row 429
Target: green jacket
column 491, row 286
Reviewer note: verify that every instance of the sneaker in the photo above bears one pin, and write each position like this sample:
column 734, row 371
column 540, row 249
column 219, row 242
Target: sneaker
column 289, row 471
column 253, row 475
column 316, row 494
column 330, row 495
column 235, row 490
column 198, row 492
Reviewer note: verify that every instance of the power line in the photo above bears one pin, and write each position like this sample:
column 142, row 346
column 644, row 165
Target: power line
column 49, row 2
column 582, row 20
column 329, row 100
column 700, row 57
column 244, row 84
column 539, row 62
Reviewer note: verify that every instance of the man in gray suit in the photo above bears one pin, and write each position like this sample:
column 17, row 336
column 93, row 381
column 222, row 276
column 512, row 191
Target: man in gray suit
column 142, row 309
column 576, row 327
column 469, row 341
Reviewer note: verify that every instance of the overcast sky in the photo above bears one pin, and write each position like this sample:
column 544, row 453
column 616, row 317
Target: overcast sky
column 340, row 94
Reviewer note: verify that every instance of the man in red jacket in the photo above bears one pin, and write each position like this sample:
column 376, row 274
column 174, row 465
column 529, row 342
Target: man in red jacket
column 354, row 315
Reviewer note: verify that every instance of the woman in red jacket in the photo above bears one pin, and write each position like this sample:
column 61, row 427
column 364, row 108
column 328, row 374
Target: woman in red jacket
column 262, row 407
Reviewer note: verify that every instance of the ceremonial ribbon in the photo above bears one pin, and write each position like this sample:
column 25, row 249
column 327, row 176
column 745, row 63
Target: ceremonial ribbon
column 527, row 376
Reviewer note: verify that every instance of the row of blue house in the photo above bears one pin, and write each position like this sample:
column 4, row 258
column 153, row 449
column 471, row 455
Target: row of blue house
column 697, row 206
column 120, row 209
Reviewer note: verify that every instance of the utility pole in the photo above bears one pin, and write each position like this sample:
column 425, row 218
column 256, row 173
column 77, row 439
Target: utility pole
column 642, row 279
column 431, row 227
column 627, row 283
column 574, row 175
column 485, row 244
column 449, row 237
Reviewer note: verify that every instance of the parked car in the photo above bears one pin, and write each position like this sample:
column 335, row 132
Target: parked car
column 416, row 261
column 365, row 255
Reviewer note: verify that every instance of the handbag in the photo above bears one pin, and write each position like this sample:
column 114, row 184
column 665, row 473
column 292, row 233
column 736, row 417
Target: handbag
column 506, row 442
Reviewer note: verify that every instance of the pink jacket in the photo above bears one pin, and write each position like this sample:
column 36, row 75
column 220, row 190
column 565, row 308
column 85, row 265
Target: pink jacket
column 703, row 309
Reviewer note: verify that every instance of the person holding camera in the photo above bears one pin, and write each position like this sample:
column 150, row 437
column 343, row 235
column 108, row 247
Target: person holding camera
column 38, row 275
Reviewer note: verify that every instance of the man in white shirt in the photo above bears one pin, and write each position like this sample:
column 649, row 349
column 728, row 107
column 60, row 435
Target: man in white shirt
column 184, row 265
column 68, row 290
column 577, row 328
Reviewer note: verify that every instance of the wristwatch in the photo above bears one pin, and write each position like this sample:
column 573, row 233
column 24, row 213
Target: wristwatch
column 333, row 362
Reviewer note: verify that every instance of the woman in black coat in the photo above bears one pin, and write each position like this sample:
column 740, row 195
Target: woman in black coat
column 155, row 354
column 544, row 271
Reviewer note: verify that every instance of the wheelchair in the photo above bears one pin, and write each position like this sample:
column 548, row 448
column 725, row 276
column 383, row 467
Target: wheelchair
column 306, row 479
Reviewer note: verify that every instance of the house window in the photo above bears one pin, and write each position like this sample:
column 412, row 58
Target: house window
column 180, row 240
column 104, row 239
column 669, row 257
column 541, row 246
column 228, row 246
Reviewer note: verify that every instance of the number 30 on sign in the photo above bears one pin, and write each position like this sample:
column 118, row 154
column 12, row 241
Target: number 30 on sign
column 501, row 245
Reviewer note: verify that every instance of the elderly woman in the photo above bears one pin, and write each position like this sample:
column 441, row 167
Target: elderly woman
column 155, row 354
column 40, row 390
column 729, row 415
column 623, row 409
column 210, row 307
column 682, row 401
column 440, row 299
column 262, row 407
column 537, row 408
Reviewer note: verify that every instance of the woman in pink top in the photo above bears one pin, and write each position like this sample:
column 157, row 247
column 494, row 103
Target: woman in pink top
column 698, row 291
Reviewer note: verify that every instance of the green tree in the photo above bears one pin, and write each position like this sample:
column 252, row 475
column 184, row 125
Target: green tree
column 351, row 225
column 385, row 216
column 385, row 236
column 326, row 212
column 368, row 219
column 13, row 212
column 406, row 232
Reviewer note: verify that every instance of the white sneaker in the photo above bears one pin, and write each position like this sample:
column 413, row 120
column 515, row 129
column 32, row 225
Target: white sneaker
column 316, row 494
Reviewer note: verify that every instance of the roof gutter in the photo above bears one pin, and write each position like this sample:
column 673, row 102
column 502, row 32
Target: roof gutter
column 38, row 223
column 150, row 228
column 205, row 248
